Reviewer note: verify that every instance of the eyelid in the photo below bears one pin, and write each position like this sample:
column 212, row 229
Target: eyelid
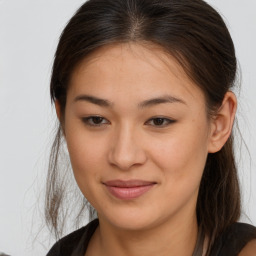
column 86, row 120
column 168, row 121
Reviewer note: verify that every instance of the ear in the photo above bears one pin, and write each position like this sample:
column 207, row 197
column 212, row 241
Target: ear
column 58, row 109
column 222, row 123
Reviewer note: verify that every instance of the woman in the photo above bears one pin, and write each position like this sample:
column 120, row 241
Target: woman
column 142, row 90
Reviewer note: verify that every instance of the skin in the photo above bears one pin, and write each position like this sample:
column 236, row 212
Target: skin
column 249, row 249
column 129, row 144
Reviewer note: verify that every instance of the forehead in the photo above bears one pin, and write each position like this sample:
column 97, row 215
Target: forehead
column 142, row 68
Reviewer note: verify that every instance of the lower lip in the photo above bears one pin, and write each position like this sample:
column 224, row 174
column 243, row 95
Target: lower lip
column 129, row 193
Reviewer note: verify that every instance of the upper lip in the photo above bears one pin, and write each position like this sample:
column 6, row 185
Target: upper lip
column 128, row 183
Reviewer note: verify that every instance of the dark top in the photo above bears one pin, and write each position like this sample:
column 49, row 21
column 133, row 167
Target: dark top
column 230, row 243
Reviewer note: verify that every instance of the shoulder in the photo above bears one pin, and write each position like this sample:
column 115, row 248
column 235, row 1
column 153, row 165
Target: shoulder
column 246, row 233
column 239, row 229
column 67, row 243
column 237, row 238
column 75, row 241
column 249, row 249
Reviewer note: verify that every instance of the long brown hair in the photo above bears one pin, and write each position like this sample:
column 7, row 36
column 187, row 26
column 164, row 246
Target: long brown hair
column 196, row 35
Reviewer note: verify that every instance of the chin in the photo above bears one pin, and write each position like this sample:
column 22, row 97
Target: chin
column 131, row 219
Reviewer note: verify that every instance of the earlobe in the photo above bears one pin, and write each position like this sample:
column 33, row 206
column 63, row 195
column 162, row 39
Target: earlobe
column 222, row 123
column 58, row 108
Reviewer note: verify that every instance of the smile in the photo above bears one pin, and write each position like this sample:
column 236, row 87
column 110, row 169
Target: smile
column 127, row 190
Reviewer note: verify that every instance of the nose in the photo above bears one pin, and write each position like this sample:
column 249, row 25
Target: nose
column 126, row 149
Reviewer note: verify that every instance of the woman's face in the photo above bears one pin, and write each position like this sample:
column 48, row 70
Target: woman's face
column 138, row 136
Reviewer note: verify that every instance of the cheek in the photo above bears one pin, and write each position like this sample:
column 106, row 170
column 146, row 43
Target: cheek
column 182, row 154
column 87, row 157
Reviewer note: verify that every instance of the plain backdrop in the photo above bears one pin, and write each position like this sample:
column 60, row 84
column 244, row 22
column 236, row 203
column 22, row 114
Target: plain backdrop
column 29, row 31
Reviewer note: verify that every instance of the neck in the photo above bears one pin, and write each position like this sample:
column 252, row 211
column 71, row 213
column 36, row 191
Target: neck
column 170, row 238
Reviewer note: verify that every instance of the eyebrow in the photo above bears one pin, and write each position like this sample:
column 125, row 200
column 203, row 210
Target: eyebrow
column 94, row 100
column 160, row 100
column 147, row 103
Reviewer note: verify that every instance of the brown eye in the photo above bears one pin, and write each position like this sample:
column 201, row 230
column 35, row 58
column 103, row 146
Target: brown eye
column 95, row 121
column 160, row 122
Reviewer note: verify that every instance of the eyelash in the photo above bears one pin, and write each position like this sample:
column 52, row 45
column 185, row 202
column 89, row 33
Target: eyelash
column 89, row 121
column 166, row 121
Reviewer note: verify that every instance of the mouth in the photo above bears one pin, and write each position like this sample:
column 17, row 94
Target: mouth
column 129, row 189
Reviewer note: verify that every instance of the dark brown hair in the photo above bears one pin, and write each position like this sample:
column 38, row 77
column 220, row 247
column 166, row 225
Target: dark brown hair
column 196, row 35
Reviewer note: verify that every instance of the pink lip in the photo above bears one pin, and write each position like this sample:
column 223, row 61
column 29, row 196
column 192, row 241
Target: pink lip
column 129, row 189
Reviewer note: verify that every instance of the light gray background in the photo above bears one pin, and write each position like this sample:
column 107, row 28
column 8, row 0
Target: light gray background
column 29, row 30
